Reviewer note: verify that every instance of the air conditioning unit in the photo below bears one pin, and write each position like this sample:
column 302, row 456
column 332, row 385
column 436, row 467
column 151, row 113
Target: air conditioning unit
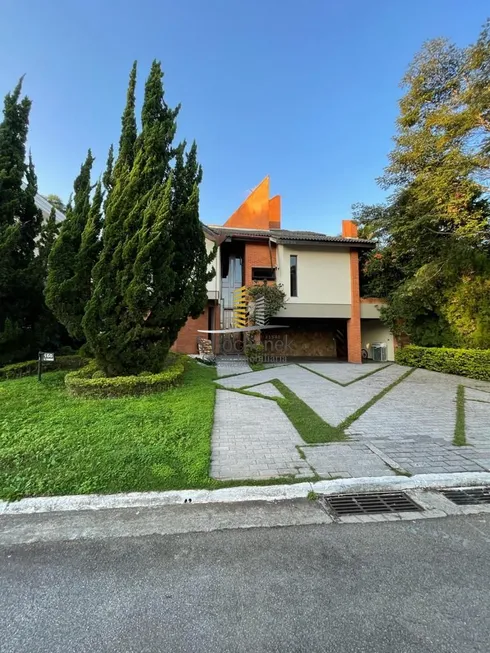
column 378, row 350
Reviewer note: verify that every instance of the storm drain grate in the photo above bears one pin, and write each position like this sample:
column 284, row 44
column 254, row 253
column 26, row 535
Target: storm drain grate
column 468, row 496
column 368, row 504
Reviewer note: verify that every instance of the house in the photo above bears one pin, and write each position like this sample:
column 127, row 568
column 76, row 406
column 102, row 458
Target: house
column 325, row 314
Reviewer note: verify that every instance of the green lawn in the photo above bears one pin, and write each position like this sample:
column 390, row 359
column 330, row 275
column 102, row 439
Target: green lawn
column 53, row 444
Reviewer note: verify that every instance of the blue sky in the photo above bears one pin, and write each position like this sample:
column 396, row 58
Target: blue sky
column 305, row 91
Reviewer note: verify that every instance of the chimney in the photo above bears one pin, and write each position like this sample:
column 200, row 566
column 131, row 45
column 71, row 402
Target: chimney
column 349, row 229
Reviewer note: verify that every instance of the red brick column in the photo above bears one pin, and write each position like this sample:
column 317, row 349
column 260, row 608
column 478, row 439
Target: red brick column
column 354, row 324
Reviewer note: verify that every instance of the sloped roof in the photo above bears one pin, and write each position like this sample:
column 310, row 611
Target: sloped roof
column 43, row 204
column 287, row 236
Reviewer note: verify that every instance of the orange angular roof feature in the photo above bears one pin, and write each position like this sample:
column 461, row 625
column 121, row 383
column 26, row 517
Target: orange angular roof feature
column 275, row 212
column 257, row 211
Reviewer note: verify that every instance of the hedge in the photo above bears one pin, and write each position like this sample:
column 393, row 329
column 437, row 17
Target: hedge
column 90, row 382
column 29, row 368
column 474, row 363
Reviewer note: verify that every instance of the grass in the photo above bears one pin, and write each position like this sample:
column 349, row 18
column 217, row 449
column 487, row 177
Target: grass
column 52, row 444
column 245, row 391
column 312, row 428
column 459, row 430
column 400, row 472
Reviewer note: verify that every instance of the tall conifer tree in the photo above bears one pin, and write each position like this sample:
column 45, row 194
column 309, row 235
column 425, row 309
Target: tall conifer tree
column 20, row 225
column 145, row 284
column 63, row 296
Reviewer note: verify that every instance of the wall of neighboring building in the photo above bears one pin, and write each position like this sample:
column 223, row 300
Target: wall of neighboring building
column 323, row 277
column 376, row 331
column 370, row 307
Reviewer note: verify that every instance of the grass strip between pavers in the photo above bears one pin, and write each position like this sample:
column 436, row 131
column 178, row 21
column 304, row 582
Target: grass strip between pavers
column 344, row 385
column 459, row 439
column 311, row 427
column 360, row 411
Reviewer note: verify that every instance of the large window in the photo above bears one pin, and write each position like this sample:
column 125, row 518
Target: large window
column 293, row 272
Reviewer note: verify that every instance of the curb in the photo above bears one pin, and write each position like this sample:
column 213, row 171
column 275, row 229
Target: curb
column 241, row 494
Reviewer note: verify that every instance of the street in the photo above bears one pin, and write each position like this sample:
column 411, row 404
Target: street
column 399, row 587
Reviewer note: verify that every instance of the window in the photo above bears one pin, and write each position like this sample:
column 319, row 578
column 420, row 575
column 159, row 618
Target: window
column 293, row 272
column 263, row 274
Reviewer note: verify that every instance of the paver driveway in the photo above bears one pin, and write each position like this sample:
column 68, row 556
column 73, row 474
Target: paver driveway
column 408, row 423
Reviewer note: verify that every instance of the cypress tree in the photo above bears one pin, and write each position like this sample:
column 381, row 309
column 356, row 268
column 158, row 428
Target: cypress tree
column 20, row 224
column 89, row 251
column 135, row 311
column 191, row 260
column 63, row 296
column 107, row 177
column 48, row 236
column 104, row 323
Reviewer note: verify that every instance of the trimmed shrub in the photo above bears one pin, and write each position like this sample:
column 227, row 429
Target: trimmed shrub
column 473, row 363
column 29, row 368
column 89, row 383
column 255, row 353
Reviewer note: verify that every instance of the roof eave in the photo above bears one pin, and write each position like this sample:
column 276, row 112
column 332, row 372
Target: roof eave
column 324, row 243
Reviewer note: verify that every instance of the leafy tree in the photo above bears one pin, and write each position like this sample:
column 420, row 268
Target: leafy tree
column 434, row 234
column 63, row 295
column 148, row 279
column 56, row 201
column 20, row 224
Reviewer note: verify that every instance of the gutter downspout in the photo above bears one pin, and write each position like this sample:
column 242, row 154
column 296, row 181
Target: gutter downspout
column 270, row 252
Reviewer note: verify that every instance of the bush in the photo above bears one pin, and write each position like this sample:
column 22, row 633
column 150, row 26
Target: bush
column 29, row 368
column 474, row 363
column 255, row 353
column 88, row 382
column 274, row 296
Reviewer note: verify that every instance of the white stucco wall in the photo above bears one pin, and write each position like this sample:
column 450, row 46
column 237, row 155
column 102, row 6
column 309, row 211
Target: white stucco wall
column 375, row 331
column 323, row 274
column 214, row 285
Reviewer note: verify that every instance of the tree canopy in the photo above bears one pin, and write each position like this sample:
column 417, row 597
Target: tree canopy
column 432, row 260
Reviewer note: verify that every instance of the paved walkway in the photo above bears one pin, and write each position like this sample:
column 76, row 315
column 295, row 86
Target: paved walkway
column 409, row 427
column 240, row 449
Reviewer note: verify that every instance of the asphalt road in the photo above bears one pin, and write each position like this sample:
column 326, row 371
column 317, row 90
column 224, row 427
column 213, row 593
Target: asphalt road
column 404, row 587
